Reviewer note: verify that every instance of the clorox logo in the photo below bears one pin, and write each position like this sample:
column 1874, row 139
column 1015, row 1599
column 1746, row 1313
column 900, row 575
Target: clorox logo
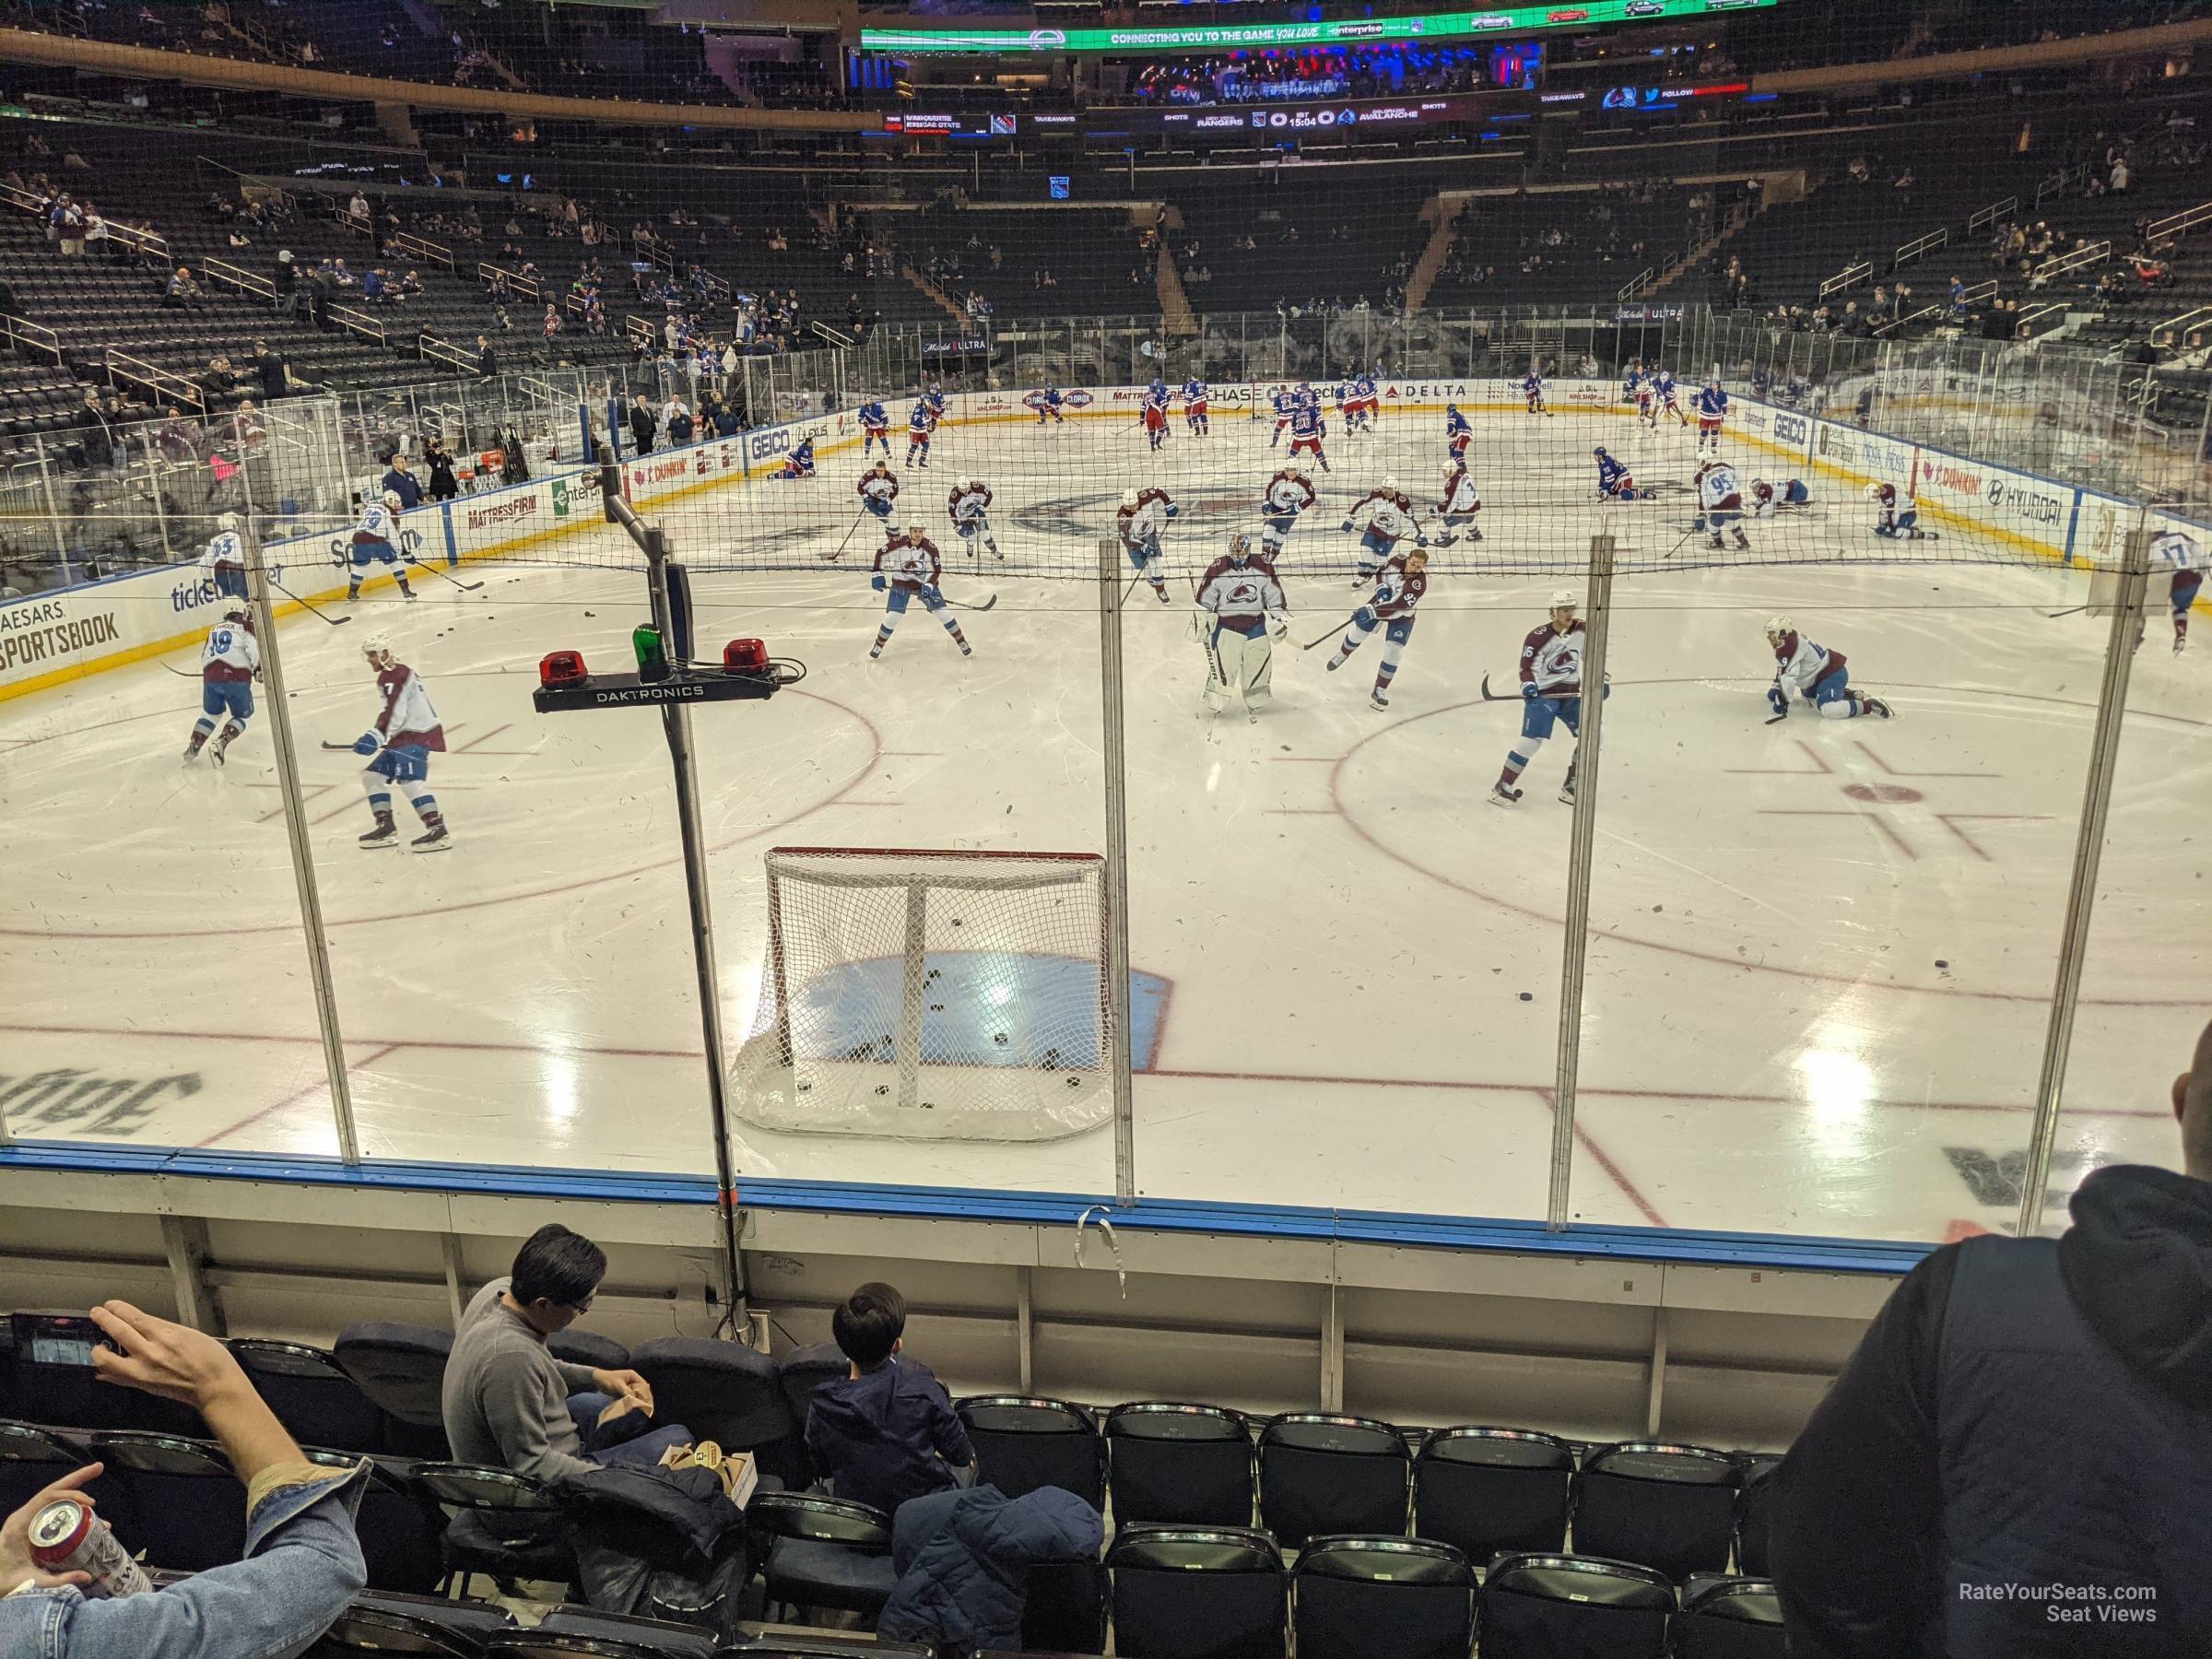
column 1077, row 400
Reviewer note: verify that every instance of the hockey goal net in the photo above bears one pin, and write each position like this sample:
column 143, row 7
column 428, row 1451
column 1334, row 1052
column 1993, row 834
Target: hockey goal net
column 930, row 995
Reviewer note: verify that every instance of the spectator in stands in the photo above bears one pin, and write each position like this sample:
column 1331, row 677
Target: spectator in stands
column 402, row 483
column 641, row 424
column 726, row 423
column 2119, row 177
column 182, row 292
column 409, row 286
column 270, row 370
column 488, row 361
column 885, row 1432
column 438, row 462
column 303, row 1562
column 373, row 292
column 507, row 1403
column 675, row 420
column 2022, row 1412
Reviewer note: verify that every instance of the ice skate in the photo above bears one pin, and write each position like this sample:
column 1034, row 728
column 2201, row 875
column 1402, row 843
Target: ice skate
column 1503, row 794
column 436, row 839
column 385, row 834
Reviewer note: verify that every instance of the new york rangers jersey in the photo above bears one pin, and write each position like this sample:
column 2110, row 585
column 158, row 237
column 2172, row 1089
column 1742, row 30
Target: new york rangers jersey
column 910, row 561
column 1552, row 660
column 1712, row 402
column 1662, row 386
column 1532, row 383
column 230, row 652
column 1719, row 490
column 1305, row 423
column 922, row 419
column 1288, row 494
column 408, row 717
column 1397, row 590
column 1156, row 396
column 1460, row 493
column 1631, row 383
column 1284, row 403
column 1240, row 597
column 1195, row 394
column 1800, row 665
column 1457, row 424
column 1612, row 475
column 378, row 524
column 968, row 506
column 1364, row 388
column 875, row 418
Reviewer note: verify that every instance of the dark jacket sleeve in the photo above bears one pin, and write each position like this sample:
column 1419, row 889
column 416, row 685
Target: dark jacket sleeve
column 1858, row 1502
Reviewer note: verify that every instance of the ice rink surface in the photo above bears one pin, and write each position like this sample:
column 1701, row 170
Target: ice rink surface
column 1822, row 952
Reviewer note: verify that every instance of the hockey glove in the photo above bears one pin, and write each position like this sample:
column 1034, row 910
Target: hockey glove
column 932, row 598
column 878, row 583
column 1281, row 625
column 1775, row 698
column 368, row 743
column 1173, row 511
column 1346, row 526
column 1364, row 617
column 1528, row 691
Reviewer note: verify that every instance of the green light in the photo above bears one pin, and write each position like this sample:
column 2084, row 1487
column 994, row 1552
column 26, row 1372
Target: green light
column 652, row 659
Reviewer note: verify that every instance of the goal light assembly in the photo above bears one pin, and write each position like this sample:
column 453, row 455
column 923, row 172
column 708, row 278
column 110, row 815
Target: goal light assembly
column 747, row 673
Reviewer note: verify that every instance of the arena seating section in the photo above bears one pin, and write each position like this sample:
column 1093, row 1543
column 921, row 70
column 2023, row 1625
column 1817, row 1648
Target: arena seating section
column 1364, row 1537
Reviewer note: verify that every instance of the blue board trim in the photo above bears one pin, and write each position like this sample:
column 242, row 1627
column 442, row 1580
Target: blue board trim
column 1166, row 1215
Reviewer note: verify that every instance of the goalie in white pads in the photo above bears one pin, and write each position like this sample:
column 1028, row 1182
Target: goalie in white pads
column 1551, row 693
column 1720, row 504
column 1241, row 606
column 1814, row 675
column 970, row 508
column 230, row 663
column 399, row 746
column 909, row 568
column 1462, row 500
column 1388, row 520
column 1143, row 516
column 1399, row 586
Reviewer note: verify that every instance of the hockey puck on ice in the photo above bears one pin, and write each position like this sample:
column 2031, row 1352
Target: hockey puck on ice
column 1528, row 996
column 1941, row 963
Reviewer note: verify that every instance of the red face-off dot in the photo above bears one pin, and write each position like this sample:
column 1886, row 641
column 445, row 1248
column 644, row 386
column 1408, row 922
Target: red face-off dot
column 1894, row 795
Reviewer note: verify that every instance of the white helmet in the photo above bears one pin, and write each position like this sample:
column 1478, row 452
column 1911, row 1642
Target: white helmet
column 1390, row 483
column 1565, row 599
column 1779, row 625
column 392, row 497
column 237, row 612
column 973, row 482
column 1874, row 492
column 228, row 521
column 1128, row 497
column 378, row 644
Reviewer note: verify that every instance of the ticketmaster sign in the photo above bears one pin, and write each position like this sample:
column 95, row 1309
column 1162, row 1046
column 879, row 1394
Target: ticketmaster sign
column 1355, row 31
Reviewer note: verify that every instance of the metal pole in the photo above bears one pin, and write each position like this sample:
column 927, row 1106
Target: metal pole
column 1597, row 625
column 2089, row 850
column 1117, row 872
column 153, row 490
column 302, row 852
column 53, row 513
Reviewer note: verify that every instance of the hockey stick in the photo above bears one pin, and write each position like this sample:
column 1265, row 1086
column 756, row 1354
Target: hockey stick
column 1330, row 635
column 466, row 587
column 1774, row 719
column 833, row 557
column 182, row 673
column 2053, row 615
column 968, row 605
column 345, row 748
column 1490, row 696
column 303, row 604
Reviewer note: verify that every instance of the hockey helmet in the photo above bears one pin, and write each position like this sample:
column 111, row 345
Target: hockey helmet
column 1599, row 450
column 1390, row 483
column 1565, row 599
column 1779, row 629
column 237, row 612
column 1874, row 492
column 228, row 521
column 1128, row 497
column 375, row 645
column 391, row 499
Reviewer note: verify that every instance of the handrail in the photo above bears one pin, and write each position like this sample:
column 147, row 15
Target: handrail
column 421, row 247
column 1919, row 245
column 1881, row 330
column 2169, row 332
column 153, row 378
column 516, row 282
column 1636, row 284
column 1991, row 214
column 145, row 243
column 430, row 345
column 2058, row 265
column 21, row 331
column 1974, row 293
column 1847, row 279
column 2060, row 180
column 638, row 327
column 368, row 228
column 360, row 322
column 238, row 277
column 2177, row 224
column 2033, row 323
column 825, row 332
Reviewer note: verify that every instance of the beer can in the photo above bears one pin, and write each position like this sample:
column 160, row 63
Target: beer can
column 66, row 1536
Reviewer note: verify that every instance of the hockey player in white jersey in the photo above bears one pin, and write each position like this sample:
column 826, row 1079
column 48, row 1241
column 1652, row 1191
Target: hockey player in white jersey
column 909, row 568
column 1289, row 493
column 225, row 559
column 969, row 507
column 1551, row 692
column 1814, row 675
column 1240, row 604
column 1461, row 502
column 1767, row 498
column 399, row 746
column 2182, row 554
column 1139, row 522
column 879, row 492
column 375, row 541
column 1382, row 518
column 230, row 663
column 1399, row 586
column 1720, row 504
column 1894, row 518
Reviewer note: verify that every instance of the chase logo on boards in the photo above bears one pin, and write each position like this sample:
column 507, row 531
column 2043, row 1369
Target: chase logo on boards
column 1788, row 428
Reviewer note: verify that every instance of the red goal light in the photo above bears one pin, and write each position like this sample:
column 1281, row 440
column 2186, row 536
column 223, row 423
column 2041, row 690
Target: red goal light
column 561, row 669
column 745, row 656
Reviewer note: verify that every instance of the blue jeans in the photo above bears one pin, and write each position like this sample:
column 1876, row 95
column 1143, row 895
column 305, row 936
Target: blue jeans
column 621, row 1441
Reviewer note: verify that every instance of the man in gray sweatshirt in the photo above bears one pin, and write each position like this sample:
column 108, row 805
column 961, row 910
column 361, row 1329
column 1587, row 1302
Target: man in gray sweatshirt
column 509, row 1404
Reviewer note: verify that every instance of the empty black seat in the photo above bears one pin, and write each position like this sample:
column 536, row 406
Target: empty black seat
column 1671, row 1506
column 500, row 1523
column 55, row 1382
column 1368, row 1597
column 1022, row 1442
column 1729, row 1618
column 188, row 1511
column 1327, row 1473
column 32, row 1459
column 1197, row 1593
column 568, row 1632
column 1487, row 1490
column 588, row 1348
column 1564, row 1607
column 402, row 1368
column 722, row 1391
column 312, row 1395
column 398, row 1524
column 423, row 1626
column 1065, row 1611
column 799, row 1372
column 1172, row 1462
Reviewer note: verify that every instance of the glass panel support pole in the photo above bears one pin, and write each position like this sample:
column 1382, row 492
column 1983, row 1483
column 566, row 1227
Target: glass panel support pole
column 1116, row 896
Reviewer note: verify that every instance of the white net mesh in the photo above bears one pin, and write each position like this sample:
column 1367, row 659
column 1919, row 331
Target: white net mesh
column 930, row 995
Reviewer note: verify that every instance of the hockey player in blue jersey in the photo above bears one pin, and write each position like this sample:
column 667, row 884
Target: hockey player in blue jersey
column 936, row 400
column 1284, row 404
column 1195, row 396
column 1048, row 404
column 1712, row 408
column 1458, row 433
column 1532, row 388
column 799, row 464
column 1365, row 404
column 1614, row 484
column 1663, row 398
column 921, row 421
column 1307, row 430
column 875, row 428
column 1156, row 413
column 1632, row 381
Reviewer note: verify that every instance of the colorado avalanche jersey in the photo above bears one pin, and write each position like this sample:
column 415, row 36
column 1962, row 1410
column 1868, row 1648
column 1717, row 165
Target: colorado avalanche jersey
column 1389, row 517
column 1719, row 490
column 1552, row 660
column 1799, row 664
column 910, row 561
column 231, row 652
column 878, row 489
column 1240, row 596
column 968, row 506
column 2180, row 551
column 1288, row 494
column 1460, row 493
column 1397, row 590
column 378, row 523
column 408, row 717
column 1142, row 523
column 226, row 551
